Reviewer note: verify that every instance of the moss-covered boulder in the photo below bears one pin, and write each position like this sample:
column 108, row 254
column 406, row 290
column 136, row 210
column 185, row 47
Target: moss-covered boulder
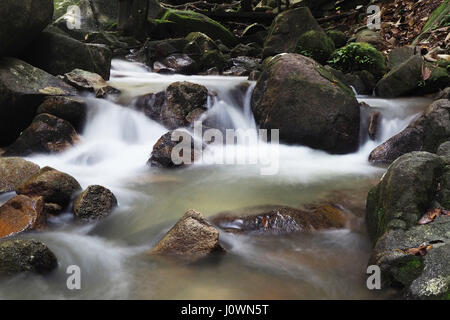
column 181, row 23
column 22, row 89
column 55, row 186
column 439, row 78
column 425, row 134
column 402, row 80
column 213, row 59
column 198, row 44
column 21, row 22
column 339, row 38
column 46, row 134
column 59, row 54
column 25, row 255
column 307, row 104
column 285, row 30
column 357, row 57
column 404, row 194
column 316, row 45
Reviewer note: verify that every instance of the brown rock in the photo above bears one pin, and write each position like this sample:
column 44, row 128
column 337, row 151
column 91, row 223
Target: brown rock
column 94, row 203
column 55, row 186
column 192, row 237
column 14, row 171
column 20, row 214
column 374, row 122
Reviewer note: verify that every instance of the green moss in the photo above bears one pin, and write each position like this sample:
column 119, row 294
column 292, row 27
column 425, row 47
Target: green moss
column 409, row 269
column 213, row 58
column 186, row 22
column 339, row 38
column 439, row 17
column 315, row 44
column 359, row 56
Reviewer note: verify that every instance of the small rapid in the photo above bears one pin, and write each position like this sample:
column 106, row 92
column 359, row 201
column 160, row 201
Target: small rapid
column 115, row 145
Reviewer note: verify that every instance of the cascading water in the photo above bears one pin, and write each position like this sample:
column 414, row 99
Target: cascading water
column 115, row 146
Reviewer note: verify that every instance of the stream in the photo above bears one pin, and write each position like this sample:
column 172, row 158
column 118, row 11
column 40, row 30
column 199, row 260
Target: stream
column 113, row 253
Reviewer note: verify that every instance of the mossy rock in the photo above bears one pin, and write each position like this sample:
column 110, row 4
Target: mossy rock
column 359, row 56
column 439, row 78
column 184, row 22
column 213, row 58
column 199, row 43
column 316, row 45
column 339, row 38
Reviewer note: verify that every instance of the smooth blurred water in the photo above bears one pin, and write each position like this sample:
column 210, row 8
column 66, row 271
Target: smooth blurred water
column 112, row 253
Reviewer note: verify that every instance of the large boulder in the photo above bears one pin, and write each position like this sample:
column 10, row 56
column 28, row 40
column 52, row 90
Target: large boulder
column 182, row 98
column 404, row 193
column 181, row 23
column 21, row 22
column 191, row 238
column 46, row 134
column 14, row 171
column 316, row 45
column 424, row 134
column 24, row 255
column 58, row 54
column 402, row 80
column 71, row 109
column 307, row 104
column 55, row 186
column 22, row 89
column 20, row 214
column 286, row 29
column 94, row 203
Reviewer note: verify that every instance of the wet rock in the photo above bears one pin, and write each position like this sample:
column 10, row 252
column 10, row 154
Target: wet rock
column 18, row 256
column 21, row 22
column 316, row 45
column 59, row 54
column 404, row 193
column 55, row 186
column 22, row 89
column 363, row 82
column 443, row 150
column 419, row 277
column 424, row 134
column 282, row 219
column 181, row 23
column 181, row 99
column 443, row 94
column 162, row 157
column 21, row 214
column 402, row 80
column 285, row 30
column 213, row 59
column 46, row 134
column 151, row 104
column 96, row 202
column 14, row 171
column 256, row 33
column 198, row 44
column 374, row 122
column 192, row 238
column 439, row 79
column 307, row 104
column 71, row 109
column 89, row 81
column 248, row 50
column 176, row 63
column 159, row 49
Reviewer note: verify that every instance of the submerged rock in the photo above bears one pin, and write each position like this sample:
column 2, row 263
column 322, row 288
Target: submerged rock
column 286, row 29
column 18, row 256
column 282, row 219
column 424, row 134
column 71, row 109
column 94, row 203
column 59, row 54
column 192, row 238
column 22, row 89
column 21, row 22
column 307, row 104
column 55, row 186
column 20, row 214
column 14, row 171
column 46, row 134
